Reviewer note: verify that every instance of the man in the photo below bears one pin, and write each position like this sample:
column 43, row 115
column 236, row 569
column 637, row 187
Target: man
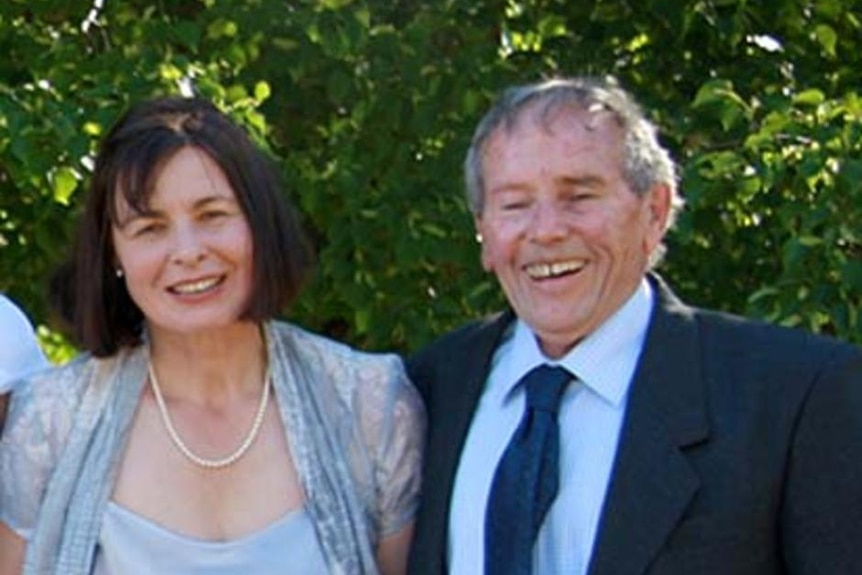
column 689, row 442
column 20, row 354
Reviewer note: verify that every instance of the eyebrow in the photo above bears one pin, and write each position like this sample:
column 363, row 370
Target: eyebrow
column 133, row 214
column 203, row 202
column 589, row 180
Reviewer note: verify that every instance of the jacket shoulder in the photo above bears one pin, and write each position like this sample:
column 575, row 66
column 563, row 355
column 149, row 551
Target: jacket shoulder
column 761, row 340
column 459, row 339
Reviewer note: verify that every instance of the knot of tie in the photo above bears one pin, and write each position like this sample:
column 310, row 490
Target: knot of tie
column 545, row 385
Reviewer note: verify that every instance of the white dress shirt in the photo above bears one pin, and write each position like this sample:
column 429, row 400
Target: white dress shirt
column 20, row 354
column 591, row 416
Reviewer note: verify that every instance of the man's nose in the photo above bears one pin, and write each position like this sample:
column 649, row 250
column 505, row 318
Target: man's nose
column 547, row 222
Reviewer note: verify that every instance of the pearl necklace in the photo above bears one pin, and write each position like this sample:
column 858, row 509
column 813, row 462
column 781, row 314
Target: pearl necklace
column 188, row 453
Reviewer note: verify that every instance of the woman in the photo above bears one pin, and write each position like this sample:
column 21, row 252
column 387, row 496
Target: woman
column 198, row 434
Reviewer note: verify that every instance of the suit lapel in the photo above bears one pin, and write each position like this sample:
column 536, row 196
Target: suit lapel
column 467, row 373
column 652, row 482
column 451, row 403
column 469, row 369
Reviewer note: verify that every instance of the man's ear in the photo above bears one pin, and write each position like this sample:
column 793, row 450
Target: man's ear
column 657, row 213
column 477, row 225
column 480, row 233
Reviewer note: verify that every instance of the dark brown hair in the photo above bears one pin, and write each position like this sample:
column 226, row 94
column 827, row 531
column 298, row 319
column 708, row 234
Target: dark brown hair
column 86, row 291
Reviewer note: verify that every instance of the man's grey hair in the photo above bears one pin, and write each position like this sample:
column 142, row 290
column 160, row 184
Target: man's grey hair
column 645, row 162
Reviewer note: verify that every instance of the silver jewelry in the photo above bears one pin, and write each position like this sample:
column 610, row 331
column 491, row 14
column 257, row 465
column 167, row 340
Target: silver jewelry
column 118, row 272
column 188, row 453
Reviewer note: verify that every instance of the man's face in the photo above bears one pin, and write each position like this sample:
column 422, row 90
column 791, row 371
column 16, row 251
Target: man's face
column 567, row 238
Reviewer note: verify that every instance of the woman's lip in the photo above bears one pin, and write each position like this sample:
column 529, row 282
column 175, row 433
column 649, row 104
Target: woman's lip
column 196, row 286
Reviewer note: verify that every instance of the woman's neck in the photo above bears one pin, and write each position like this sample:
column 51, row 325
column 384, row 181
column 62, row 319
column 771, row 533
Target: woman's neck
column 211, row 367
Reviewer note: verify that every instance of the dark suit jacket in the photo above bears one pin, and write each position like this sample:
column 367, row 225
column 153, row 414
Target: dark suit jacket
column 741, row 449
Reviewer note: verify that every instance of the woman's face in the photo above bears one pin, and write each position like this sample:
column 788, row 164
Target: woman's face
column 188, row 258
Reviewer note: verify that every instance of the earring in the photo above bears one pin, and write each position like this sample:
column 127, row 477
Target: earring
column 118, row 272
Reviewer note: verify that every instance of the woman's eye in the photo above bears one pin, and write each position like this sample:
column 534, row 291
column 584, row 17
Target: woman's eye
column 214, row 215
column 147, row 229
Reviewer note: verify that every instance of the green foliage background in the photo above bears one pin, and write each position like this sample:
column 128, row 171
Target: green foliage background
column 368, row 106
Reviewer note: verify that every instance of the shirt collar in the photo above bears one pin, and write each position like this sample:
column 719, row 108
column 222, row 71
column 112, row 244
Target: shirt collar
column 604, row 361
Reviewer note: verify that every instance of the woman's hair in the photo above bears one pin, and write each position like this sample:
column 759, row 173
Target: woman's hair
column 86, row 291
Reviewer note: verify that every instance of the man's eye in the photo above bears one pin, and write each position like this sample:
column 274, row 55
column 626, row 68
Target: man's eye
column 515, row 205
column 579, row 197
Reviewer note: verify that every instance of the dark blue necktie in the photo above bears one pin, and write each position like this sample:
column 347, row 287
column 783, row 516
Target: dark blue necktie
column 527, row 477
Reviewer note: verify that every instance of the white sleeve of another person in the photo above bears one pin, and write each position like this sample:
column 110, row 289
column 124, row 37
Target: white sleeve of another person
column 20, row 354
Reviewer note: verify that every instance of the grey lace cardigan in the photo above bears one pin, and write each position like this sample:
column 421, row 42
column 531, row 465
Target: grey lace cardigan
column 356, row 424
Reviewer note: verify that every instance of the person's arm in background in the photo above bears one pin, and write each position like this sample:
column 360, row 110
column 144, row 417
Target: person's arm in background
column 20, row 354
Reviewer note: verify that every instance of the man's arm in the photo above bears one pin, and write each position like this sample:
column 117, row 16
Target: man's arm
column 822, row 509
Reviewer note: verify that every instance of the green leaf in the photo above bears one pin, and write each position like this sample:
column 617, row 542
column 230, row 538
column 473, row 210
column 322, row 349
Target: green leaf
column 711, row 92
column 262, row 91
column 851, row 275
column 64, row 181
column 812, row 97
column 827, row 37
column 222, row 28
column 719, row 96
column 335, row 4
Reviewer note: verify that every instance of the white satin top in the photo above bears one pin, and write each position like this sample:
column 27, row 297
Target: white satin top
column 133, row 545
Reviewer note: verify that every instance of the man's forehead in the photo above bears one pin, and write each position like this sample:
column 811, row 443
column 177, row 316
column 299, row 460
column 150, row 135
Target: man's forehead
column 589, row 115
column 558, row 120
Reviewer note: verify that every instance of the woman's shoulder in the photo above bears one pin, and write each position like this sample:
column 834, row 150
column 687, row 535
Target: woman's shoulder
column 365, row 381
column 325, row 351
column 48, row 400
column 58, row 384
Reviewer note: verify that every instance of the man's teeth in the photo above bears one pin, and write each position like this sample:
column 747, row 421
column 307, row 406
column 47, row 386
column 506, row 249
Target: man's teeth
column 542, row 271
column 196, row 287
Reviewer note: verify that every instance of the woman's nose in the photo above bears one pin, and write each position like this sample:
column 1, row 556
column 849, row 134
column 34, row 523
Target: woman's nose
column 188, row 246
